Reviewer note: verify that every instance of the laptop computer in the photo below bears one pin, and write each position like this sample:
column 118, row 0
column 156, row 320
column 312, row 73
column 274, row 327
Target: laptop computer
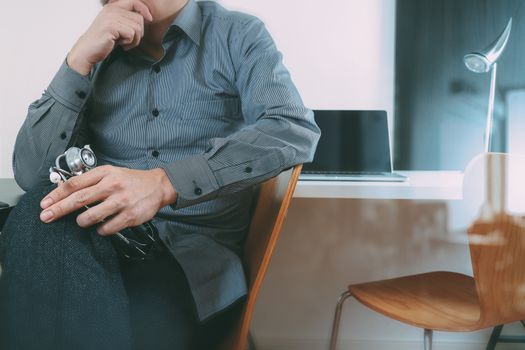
column 354, row 146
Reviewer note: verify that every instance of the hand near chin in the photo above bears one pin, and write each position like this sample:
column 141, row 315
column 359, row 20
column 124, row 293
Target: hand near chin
column 124, row 198
column 120, row 22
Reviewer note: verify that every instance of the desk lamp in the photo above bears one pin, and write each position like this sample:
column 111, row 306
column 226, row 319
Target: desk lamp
column 496, row 171
column 484, row 62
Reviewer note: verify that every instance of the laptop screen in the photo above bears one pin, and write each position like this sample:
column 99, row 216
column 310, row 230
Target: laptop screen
column 351, row 141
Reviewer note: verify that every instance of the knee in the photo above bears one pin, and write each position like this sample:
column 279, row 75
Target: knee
column 25, row 234
column 24, row 218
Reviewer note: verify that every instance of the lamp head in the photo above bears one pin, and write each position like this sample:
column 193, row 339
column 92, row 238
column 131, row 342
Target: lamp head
column 477, row 62
column 483, row 61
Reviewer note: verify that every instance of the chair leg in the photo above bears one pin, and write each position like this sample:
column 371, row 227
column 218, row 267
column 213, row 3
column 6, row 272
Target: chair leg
column 428, row 339
column 494, row 337
column 337, row 319
column 251, row 342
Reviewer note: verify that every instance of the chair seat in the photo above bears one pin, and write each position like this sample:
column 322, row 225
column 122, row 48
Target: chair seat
column 443, row 301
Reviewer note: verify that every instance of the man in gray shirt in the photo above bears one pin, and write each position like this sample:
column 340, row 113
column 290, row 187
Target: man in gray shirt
column 187, row 106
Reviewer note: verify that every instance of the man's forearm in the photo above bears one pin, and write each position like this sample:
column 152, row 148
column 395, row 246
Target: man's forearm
column 246, row 158
column 51, row 120
column 49, row 125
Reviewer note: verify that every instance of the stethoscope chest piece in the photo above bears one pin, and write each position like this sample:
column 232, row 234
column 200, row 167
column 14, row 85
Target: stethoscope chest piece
column 76, row 160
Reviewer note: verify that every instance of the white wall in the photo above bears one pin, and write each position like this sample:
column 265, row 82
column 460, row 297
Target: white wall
column 36, row 36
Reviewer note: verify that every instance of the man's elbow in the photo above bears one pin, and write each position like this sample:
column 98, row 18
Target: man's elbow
column 23, row 181
column 25, row 177
column 305, row 153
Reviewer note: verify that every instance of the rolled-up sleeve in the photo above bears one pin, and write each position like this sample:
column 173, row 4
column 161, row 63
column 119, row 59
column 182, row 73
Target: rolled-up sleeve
column 280, row 131
column 49, row 126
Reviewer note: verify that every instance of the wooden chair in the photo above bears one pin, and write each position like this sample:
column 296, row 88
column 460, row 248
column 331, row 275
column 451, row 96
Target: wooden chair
column 271, row 208
column 448, row 301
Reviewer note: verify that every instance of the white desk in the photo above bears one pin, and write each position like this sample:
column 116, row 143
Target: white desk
column 422, row 185
column 9, row 191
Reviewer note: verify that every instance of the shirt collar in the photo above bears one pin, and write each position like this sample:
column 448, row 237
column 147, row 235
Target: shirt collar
column 189, row 20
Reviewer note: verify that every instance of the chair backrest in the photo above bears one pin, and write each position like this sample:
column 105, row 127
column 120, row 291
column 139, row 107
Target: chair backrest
column 497, row 236
column 268, row 216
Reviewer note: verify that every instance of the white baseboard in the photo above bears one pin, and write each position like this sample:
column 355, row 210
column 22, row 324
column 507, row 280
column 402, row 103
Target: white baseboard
column 314, row 344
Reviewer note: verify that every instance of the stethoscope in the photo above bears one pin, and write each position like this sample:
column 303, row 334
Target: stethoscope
column 138, row 243
column 77, row 160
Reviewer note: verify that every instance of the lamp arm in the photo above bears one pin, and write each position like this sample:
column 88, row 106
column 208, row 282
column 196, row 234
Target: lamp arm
column 490, row 112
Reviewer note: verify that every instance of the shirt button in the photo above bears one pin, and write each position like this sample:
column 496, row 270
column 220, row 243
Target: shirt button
column 156, row 68
column 198, row 191
column 80, row 94
column 248, row 169
column 155, row 154
column 155, row 112
column 63, row 136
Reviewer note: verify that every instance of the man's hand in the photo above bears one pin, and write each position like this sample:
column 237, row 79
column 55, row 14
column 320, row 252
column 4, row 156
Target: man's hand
column 120, row 22
column 130, row 197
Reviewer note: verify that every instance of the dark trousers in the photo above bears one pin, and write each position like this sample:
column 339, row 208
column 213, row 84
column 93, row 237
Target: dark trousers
column 64, row 287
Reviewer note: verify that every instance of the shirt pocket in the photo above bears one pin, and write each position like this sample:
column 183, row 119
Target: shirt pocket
column 220, row 109
column 39, row 108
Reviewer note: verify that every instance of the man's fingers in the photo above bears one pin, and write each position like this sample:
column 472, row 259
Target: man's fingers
column 119, row 222
column 140, row 7
column 125, row 34
column 136, row 6
column 132, row 33
column 74, row 184
column 98, row 213
column 73, row 202
column 132, row 16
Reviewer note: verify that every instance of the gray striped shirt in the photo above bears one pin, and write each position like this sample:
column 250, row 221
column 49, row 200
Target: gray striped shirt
column 218, row 112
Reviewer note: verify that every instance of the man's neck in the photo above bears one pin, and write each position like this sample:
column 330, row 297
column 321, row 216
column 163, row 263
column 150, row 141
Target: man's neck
column 163, row 17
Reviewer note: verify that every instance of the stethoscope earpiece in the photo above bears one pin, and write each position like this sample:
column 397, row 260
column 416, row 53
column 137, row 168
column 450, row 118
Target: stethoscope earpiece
column 54, row 177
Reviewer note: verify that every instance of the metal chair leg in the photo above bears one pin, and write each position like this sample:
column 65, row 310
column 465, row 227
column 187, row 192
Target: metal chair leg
column 251, row 342
column 494, row 337
column 337, row 319
column 428, row 339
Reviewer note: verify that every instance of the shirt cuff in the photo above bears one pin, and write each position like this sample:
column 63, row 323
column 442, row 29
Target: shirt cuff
column 70, row 87
column 193, row 180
